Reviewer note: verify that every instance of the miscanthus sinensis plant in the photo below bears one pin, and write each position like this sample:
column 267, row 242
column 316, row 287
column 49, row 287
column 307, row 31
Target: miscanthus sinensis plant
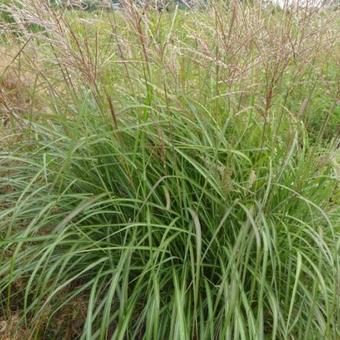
column 173, row 184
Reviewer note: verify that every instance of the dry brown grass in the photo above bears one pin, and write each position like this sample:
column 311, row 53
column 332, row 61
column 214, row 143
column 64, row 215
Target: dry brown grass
column 12, row 329
column 15, row 86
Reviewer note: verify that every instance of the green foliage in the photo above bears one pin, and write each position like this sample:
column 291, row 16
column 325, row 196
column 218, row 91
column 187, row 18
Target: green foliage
column 5, row 15
column 179, row 197
column 191, row 231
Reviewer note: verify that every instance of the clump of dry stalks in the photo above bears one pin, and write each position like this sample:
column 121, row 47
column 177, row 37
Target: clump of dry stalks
column 236, row 55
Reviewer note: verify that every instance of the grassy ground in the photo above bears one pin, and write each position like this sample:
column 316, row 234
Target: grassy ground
column 170, row 175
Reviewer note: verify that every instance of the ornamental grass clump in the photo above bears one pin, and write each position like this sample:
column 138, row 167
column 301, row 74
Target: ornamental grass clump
column 173, row 187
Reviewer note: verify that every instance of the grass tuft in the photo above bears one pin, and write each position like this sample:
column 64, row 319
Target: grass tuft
column 175, row 183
